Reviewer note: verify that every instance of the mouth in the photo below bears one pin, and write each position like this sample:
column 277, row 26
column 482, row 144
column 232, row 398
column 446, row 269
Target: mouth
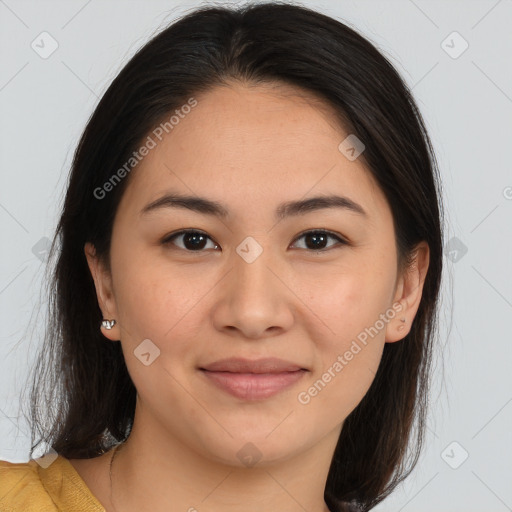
column 253, row 379
column 253, row 386
column 263, row 365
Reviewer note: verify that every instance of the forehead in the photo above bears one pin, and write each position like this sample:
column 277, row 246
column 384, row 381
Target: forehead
column 257, row 142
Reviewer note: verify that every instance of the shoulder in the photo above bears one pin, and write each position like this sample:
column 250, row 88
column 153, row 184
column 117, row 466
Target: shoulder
column 30, row 487
column 21, row 488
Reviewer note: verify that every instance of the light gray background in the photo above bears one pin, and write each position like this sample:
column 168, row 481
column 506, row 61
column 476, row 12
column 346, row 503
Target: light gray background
column 467, row 104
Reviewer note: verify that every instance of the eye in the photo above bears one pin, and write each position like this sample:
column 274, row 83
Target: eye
column 196, row 241
column 315, row 239
column 193, row 240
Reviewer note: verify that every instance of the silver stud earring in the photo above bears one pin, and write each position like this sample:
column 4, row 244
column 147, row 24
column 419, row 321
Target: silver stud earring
column 108, row 324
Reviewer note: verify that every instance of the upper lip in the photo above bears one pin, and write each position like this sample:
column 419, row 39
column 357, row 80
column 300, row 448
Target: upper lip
column 242, row 365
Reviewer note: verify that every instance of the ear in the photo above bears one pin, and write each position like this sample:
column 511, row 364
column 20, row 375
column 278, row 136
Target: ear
column 408, row 293
column 104, row 291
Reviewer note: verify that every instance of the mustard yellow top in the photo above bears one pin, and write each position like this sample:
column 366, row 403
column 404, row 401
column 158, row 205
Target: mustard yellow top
column 29, row 487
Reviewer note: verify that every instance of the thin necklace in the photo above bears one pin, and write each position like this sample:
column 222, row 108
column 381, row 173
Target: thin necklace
column 110, row 472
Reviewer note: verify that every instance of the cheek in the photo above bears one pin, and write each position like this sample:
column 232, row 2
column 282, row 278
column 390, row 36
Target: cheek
column 154, row 298
column 349, row 347
column 337, row 390
column 352, row 337
column 159, row 307
column 348, row 302
column 166, row 306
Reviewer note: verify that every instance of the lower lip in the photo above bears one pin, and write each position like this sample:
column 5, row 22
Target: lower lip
column 254, row 386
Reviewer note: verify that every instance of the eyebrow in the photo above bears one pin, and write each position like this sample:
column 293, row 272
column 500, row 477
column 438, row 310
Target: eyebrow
column 286, row 209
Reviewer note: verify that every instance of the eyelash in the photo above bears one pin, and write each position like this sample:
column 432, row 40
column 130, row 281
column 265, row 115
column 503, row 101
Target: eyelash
column 169, row 239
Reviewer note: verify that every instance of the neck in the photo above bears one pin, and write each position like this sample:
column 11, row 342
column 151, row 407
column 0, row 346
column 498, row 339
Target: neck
column 150, row 476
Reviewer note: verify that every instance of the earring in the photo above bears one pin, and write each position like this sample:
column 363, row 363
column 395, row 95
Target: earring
column 401, row 327
column 108, row 324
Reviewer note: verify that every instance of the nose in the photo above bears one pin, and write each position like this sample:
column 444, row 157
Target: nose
column 254, row 301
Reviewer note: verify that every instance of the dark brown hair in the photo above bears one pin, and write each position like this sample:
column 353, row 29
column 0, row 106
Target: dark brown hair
column 82, row 397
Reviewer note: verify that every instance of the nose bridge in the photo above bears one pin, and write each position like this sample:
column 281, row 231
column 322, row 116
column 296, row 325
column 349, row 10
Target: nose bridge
column 253, row 300
column 252, row 277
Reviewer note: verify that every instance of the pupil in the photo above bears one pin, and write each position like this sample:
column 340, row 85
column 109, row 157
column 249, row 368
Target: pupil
column 317, row 238
column 198, row 241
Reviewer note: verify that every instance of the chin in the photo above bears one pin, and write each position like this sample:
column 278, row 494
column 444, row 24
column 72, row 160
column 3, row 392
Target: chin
column 257, row 450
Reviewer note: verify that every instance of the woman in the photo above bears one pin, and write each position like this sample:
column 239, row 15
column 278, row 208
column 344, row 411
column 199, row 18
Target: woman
column 245, row 298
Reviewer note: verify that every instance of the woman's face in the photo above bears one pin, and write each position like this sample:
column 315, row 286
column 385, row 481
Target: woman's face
column 254, row 286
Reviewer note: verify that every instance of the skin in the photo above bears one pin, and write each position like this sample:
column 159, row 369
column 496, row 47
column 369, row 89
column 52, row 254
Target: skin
column 249, row 148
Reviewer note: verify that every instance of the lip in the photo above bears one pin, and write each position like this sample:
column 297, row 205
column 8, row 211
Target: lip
column 253, row 386
column 253, row 379
column 242, row 365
